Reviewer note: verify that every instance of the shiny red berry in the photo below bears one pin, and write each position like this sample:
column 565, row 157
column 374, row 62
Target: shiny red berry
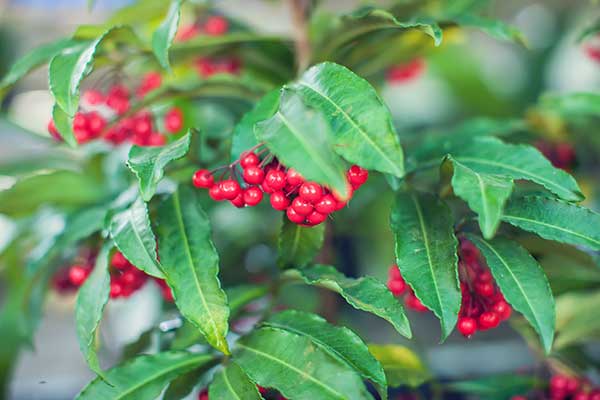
column 156, row 139
column 254, row 175
column 502, row 309
column 581, row 395
column 93, row 97
column 326, row 205
column 302, row 206
column 357, row 176
column 294, row 178
column 119, row 261
column 79, row 122
column 96, row 123
column 558, row 383
column 276, row 179
column 414, row 303
column 203, row 395
column 215, row 26
column 215, row 192
column 311, row 192
column 279, row 201
column 488, row 320
column 238, row 201
column 174, row 120
column 230, row 189
column 248, row 159
column 253, row 196
column 294, row 216
column 142, row 124
column 572, row 384
column 203, row 179
column 394, row 272
column 485, row 289
column 116, row 289
column 78, row 274
column 396, row 286
column 467, row 326
column 315, row 218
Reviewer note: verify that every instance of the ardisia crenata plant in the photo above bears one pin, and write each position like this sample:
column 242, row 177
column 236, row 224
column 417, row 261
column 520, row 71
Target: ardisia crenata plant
column 170, row 117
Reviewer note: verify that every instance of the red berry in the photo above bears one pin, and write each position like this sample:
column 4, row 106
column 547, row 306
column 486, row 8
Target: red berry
column 253, row 196
column 485, row 289
column 572, row 384
column 414, row 303
column 187, row 32
column 488, row 320
column 173, row 120
column 79, row 122
column 502, row 309
column 467, row 326
column 93, row 97
column 357, row 176
column 203, row 395
column 279, row 201
column 53, row 131
column 215, row 192
column 326, row 205
column 485, row 276
column 78, row 274
column 116, row 289
column 315, row 218
column 294, row 178
column 203, row 179
column 311, row 192
column 150, row 81
column 275, row 179
column 406, row 72
column 595, row 394
column 238, row 201
column 394, row 272
column 558, row 383
column 248, row 159
column 396, row 286
column 301, row 206
column 205, row 67
column 266, row 188
column 581, row 395
column 142, row 124
column 215, row 26
column 156, row 139
column 96, row 123
column 294, row 216
column 254, row 175
column 230, row 189
column 119, row 261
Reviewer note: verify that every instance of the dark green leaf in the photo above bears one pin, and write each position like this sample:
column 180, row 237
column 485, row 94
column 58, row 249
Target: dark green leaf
column 401, row 365
column 339, row 342
column 148, row 163
column 92, row 297
column 426, row 253
column 64, row 125
column 301, row 139
column 361, row 123
column 243, row 134
column 232, row 383
column 144, row 377
column 486, row 195
column 522, row 283
column 183, row 385
column 190, row 263
column 296, row 367
column 497, row 387
column 366, row 294
column 165, row 33
column 133, row 236
column 298, row 245
column 555, row 220
column 493, row 27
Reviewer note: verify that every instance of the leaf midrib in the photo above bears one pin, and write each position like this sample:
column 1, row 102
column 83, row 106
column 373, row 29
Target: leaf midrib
column 131, row 223
column 228, row 384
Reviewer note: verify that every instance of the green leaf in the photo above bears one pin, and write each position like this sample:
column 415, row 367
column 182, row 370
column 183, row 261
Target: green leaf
column 486, row 195
column 555, row 220
column 576, row 318
column 401, row 365
column 64, row 125
column 522, row 282
column 298, row 245
column 92, row 297
column 190, row 263
column 296, row 367
column 232, row 383
column 68, row 68
column 165, row 33
column 243, row 137
column 339, row 342
column 366, row 294
column 32, row 60
column 572, row 105
column 148, row 163
column 497, row 387
column 489, row 155
column 361, row 124
column 133, row 236
column 426, row 253
column 184, row 384
column 143, row 377
column 493, row 27
column 301, row 139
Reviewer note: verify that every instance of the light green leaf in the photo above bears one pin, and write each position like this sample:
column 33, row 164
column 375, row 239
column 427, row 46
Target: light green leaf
column 190, row 263
column 64, row 125
column 555, row 220
column 165, row 33
column 486, row 195
column 426, row 253
column 92, row 297
column 339, row 342
column 32, row 60
column 489, row 155
column 232, row 383
column 522, row 282
column 133, row 236
column 360, row 122
column 148, row 163
column 366, row 294
column 143, row 377
column 493, row 27
column 301, row 139
column 243, row 137
column 572, row 105
column 296, row 367
column 577, row 318
column 401, row 365
column 298, row 245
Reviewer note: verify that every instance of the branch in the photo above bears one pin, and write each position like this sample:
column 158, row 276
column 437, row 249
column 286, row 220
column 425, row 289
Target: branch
column 300, row 10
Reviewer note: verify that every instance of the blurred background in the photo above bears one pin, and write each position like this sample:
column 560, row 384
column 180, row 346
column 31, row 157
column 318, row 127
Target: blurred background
column 474, row 75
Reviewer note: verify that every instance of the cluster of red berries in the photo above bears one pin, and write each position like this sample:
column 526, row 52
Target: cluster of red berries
column 561, row 155
column 483, row 305
column 304, row 202
column 207, row 66
column 125, row 278
column 98, row 108
column 564, row 387
column 398, row 287
column 405, row 72
column 203, row 395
